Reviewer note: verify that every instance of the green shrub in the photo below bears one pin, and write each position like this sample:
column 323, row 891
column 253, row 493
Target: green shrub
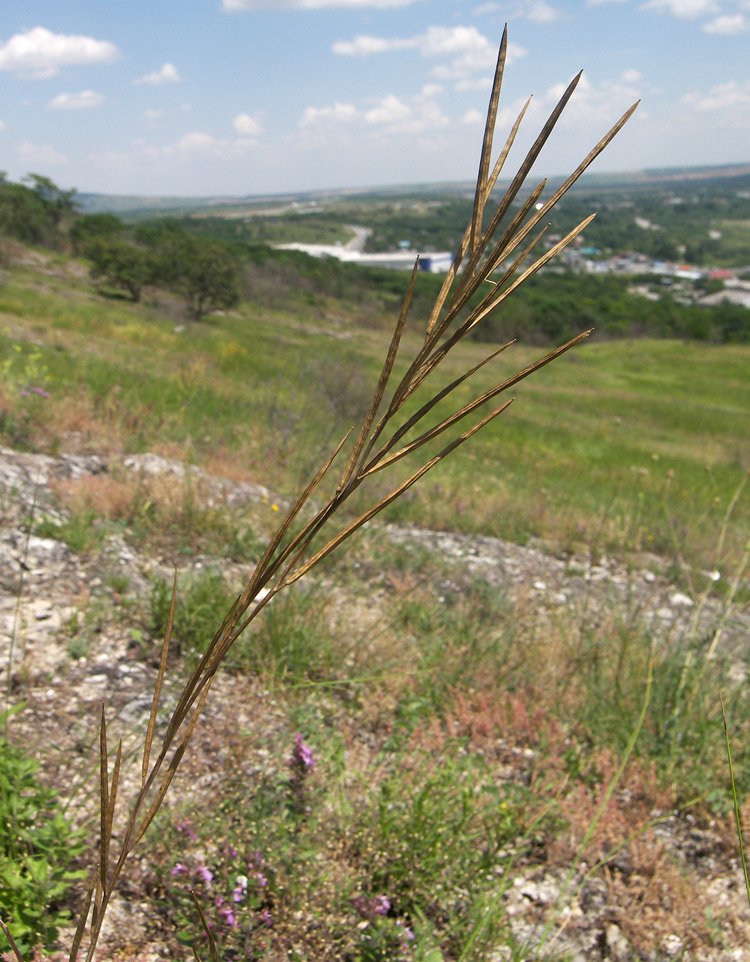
column 37, row 848
column 201, row 600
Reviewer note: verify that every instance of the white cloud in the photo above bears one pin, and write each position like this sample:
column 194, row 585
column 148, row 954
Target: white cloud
column 246, row 126
column 363, row 46
column 630, row 76
column 389, row 111
column 442, row 41
column 540, row 12
column 434, row 42
column 153, row 115
column 237, row 6
column 2, row 125
column 40, row 53
column 167, row 74
column 197, row 143
column 466, row 50
column 80, row 101
column 473, row 118
column 40, row 155
column 727, row 25
column 727, row 96
column 395, row 116
column 390, row 115
column 337, row 113
column 598, row 104
column 684, row 9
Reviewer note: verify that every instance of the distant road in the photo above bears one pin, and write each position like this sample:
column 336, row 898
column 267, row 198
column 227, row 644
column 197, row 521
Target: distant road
column 357, row 243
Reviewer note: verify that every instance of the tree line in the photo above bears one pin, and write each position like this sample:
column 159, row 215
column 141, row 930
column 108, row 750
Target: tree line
column 160, row 254
column 204, row 262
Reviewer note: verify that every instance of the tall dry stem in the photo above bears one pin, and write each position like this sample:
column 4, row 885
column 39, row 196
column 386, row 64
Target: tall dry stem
column 501, row 260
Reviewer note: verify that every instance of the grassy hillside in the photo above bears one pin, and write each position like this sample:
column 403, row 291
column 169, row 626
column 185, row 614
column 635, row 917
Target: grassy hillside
column 623, row 446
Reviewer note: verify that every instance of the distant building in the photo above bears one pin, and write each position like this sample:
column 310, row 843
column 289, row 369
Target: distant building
column 730, row 296
column 721, row 274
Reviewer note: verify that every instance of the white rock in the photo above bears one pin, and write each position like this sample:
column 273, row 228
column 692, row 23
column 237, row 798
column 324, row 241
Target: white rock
column 680, row 599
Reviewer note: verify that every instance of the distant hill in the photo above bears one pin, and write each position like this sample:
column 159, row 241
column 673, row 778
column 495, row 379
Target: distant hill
column 135, row 205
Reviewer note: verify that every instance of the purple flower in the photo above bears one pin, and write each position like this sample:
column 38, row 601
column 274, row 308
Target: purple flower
column 302, row 756
column 233, row 852
column 40, row 391
column 204, row 873
column 227, row 916
column 408, row 934
column 184, row 828
column 360, row 906
column 369, row 908
column 380, row 905
column 266, row 918
column 261, row 880
column 180, row 869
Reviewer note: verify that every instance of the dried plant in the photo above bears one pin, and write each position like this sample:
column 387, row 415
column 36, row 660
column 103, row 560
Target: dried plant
column 486, row 255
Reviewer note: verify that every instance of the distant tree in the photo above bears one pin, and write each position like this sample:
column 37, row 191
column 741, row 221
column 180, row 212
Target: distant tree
column 32, row 214
column 120, row 264
column 91, row 227
column 56, row 202
column 203, row 271
column 208, row 277
column 22, row 215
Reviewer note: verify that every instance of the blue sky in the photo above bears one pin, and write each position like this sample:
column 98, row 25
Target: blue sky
column 234, row 97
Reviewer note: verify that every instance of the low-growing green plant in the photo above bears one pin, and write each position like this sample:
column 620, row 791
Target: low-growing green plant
column 38, row 846
column 202, row 599
column 293, row 642
column 82, row 531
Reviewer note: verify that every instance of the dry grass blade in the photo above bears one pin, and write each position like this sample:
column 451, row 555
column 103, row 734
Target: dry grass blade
column 480, row 196
column 114, row 786
column 529, row 272
column 457, row 260
column 737, row 819
column 511, row 238
column 429, row 405
column 380, row 462
column 159, row 682
column 293, row 550
column 521, row 175
column 385, row 375
column 11, row 940
column 213, row 951
column 266, row 567
column 173, row 765
column 587, row 161
column 368, row 515
column 104, row 836
column 82, row 919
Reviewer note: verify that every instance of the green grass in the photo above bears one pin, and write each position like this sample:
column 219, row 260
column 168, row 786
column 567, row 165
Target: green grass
column 619, row 446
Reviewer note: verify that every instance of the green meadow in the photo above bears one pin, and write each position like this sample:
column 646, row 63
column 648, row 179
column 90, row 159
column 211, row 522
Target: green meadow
column 619, row 446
